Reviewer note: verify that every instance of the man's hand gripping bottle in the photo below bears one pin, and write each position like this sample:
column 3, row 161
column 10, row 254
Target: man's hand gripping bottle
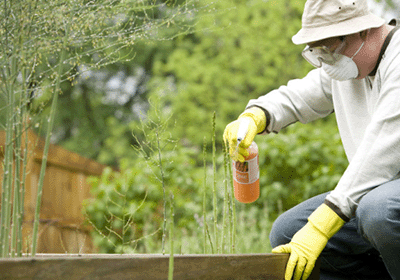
column 246, row 175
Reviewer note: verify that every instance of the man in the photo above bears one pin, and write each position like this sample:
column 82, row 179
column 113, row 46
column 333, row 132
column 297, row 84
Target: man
column 355, row 229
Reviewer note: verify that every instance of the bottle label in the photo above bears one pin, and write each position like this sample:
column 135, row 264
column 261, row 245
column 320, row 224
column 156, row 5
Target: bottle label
column 246, row 172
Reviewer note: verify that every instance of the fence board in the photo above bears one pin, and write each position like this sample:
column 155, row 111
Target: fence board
column 152, row 267
column 65, row 187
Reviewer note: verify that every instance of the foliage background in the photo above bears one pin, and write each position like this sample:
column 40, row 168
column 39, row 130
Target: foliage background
column 238, row 50
column 143, row 80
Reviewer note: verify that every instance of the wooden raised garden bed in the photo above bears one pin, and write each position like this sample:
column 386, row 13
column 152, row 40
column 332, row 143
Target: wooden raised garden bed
column 145, row 266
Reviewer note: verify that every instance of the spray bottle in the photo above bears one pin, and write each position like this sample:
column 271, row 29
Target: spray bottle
column 246, row 175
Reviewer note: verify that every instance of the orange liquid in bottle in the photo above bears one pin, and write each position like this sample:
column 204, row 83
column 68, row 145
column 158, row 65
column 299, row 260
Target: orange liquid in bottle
column 246, row 176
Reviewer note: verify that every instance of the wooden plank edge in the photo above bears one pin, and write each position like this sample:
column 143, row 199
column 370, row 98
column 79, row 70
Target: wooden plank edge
column 147, row 266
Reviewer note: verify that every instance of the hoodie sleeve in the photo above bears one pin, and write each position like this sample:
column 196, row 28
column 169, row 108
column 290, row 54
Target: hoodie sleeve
column 301, row 100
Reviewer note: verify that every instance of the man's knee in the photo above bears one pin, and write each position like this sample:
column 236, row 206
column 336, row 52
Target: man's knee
column 284, row 227
column 280, row 232
column 293, row 220
column 378, row 214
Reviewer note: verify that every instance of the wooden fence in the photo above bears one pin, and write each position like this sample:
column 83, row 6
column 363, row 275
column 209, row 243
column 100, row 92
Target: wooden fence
column 62, row 223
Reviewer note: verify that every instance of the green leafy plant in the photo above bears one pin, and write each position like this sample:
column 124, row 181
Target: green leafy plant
column 158, row 170
column 125, row 210
column 298, row 163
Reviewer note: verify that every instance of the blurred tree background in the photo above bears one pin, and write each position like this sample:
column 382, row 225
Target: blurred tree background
column 144, row 105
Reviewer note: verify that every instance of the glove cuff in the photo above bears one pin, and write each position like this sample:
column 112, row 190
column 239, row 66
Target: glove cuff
column 258, row 117
column 326, row 220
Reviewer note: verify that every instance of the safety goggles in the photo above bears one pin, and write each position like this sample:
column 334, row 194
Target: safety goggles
column 317, row 55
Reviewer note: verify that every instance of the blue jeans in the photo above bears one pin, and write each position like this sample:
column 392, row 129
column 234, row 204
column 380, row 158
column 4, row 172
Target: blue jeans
column 367, row 247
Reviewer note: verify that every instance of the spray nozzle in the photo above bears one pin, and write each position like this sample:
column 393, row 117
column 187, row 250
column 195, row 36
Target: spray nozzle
column 242, row 131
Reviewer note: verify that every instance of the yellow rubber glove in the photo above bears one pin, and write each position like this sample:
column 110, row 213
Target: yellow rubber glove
column 308, row 243
column 257, row 124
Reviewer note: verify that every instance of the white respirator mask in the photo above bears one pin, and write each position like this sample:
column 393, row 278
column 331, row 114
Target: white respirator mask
column 344, row 68
column 337, row 66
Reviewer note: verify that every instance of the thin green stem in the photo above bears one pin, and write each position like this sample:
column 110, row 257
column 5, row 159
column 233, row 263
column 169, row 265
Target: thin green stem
column 232, row 201
column 209, row 238
column 17, row 184
column 227, row 216
column 164, row 192
column 171, row 239
column 204, row 198
column 47, row 141
column 8, row 160
column 215, row 208
column 24, row 124
column 19, row 178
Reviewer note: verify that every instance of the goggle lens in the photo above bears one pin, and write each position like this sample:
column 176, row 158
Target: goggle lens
column 317, row 55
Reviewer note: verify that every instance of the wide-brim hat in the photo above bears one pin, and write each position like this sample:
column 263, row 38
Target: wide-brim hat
column 331, row 18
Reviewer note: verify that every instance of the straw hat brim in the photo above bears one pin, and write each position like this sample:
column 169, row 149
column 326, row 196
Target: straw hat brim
column 350, row 26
